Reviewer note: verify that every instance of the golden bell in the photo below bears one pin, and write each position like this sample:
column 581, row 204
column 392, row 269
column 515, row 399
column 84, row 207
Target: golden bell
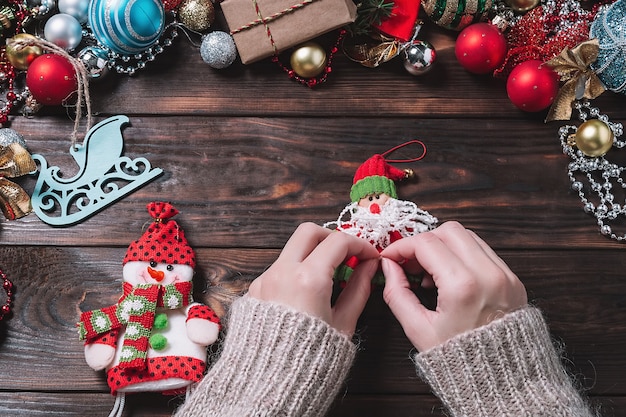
column 594, row 138
column 308, row 60
column 21, row 58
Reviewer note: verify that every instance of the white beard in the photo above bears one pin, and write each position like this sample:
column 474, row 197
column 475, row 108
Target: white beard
column 396, row 215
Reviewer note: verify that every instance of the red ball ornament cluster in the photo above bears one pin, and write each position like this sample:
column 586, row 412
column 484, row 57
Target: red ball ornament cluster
column 481, row 49
column 51, row 79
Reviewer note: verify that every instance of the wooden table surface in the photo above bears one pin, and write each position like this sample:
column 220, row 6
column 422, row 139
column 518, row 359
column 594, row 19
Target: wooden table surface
column 248, row 155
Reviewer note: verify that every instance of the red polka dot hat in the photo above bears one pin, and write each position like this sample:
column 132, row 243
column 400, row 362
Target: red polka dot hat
column 164, row 241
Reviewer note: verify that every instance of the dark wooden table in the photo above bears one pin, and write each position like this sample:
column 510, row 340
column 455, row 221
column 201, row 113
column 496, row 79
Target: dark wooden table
column 248, row 155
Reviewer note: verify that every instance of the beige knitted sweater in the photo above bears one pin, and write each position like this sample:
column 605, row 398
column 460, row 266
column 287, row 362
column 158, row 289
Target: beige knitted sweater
column 279, row 362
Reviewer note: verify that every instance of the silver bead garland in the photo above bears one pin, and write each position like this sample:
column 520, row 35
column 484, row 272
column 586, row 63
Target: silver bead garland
column 596, row 179
column 130, row 64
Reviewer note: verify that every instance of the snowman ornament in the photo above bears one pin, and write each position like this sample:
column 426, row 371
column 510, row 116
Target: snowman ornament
column 156, row 337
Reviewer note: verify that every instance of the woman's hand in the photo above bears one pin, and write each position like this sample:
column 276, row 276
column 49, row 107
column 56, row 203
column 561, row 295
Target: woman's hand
column 474, row 286
column 302, row 276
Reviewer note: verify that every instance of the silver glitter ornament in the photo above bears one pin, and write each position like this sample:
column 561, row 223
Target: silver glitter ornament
column 419, row 57
column 9, row 136
column 95, row 61
column 218, row 50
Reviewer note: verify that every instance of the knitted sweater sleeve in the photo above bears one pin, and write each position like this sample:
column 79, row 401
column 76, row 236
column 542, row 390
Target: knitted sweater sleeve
column 506, row 368
column 275, row 362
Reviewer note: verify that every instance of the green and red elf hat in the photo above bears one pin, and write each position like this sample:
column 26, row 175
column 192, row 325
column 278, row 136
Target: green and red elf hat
column 377, row 176
column 164, row 241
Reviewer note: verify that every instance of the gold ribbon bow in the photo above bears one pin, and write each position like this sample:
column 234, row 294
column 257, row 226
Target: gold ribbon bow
column 15, row 161
column 574, row 67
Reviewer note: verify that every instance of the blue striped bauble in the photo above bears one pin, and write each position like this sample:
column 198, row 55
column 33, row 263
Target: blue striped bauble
column 127, row 26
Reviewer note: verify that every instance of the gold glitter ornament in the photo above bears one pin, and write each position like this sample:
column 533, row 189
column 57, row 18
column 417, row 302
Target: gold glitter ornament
column 456, row 14
column 594, row 138
column 197, row 15
column 521, row 6
column 308, row 60
column 22, row 57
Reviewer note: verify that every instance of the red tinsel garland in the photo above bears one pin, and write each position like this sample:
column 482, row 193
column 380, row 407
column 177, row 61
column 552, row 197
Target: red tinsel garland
column 542, row 35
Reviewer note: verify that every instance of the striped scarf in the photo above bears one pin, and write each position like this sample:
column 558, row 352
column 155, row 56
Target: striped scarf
column 136, row 310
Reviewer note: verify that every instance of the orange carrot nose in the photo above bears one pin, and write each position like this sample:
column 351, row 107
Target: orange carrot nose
column 157, row 275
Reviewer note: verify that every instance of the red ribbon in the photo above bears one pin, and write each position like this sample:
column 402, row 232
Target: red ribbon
column 401, row 23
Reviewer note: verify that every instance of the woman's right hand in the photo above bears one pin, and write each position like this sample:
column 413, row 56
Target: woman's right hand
column 474, row 286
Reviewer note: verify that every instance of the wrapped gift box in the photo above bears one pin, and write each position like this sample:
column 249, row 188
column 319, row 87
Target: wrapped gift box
column 302, row 23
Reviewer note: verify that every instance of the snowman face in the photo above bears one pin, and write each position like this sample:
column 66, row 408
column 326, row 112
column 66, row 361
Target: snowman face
column 144, row 272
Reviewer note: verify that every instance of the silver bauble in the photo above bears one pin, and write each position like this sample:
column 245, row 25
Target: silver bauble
column 77, row 8
column 63, row 30
column 218, row 50
column 9, row 136
column 95, row 61
column 42, row 8
column 419, row 57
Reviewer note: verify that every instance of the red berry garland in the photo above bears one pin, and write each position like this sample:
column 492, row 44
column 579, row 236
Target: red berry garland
column 6, row 69
column 8, row 288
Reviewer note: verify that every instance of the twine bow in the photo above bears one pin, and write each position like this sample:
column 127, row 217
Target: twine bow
column 574, row 67
column 80, row 71
column 15, row 161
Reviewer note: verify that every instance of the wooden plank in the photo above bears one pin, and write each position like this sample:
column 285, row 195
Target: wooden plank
column 250, row 182
column 54, row 284
column 264, row 89
column 51, row 404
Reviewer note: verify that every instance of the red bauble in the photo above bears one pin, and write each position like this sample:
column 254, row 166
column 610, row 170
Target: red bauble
column 51, row 79
column 532, row 86
column 480, row 48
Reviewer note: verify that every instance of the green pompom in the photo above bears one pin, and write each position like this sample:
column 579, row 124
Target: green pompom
column 158, row 341
column 160, row 321
column 342, row 273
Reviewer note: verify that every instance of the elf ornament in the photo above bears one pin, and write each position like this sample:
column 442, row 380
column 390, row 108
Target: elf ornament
column 155, row 338
column 375, row 213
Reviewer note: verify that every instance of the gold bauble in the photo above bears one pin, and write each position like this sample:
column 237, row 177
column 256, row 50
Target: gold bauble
column 522, row 6
column 308, row 60
column 197, row 15
column 594, row 138
column 22, row 58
